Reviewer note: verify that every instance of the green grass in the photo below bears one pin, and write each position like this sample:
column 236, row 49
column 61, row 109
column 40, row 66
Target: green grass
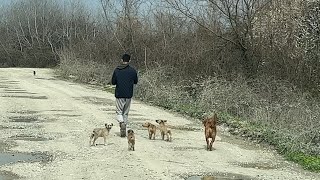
column 309, row 162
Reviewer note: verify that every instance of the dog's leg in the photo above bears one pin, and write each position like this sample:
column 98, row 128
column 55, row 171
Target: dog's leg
column 162, row 135
column 91, row 137
column 170, row 136
column 167, row 134
column 104, row 139
column 211, row 142
column 207, row 140
column 213, row 138
column 94, row 140
column 150, row 134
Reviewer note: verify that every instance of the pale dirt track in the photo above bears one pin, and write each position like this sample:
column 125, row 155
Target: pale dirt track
column 67, row 112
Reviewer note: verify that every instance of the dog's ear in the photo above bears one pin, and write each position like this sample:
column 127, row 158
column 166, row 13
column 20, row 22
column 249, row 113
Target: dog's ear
column 164, row 121
column 204, row 122
column 130, row 131
column 215, row 117
column 111, row 124
column 106, row 124
column 158, row 121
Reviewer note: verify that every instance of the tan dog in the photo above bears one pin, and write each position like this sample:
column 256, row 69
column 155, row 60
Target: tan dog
column 100, row 132
column 210, row 131
column 164, row 130
column 151, row 129
column 131, row 140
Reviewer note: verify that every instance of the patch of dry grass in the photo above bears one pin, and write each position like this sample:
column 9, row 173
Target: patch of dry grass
column 272, row 111
column 84, row 70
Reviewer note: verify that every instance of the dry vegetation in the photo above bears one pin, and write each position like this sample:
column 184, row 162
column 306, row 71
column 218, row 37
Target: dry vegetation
column 255, row 62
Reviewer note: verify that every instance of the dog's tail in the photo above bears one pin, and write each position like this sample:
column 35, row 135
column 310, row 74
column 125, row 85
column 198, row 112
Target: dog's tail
column 170, row 135
column 91, row 137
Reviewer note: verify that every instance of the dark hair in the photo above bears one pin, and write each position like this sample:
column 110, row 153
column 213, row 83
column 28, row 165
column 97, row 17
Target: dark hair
column 126, row 58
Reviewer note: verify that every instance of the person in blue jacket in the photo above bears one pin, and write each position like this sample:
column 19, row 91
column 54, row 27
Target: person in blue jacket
column 124, row 77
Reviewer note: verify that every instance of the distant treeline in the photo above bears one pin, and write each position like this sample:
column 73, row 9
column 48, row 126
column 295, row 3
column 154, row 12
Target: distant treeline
column 251, row 38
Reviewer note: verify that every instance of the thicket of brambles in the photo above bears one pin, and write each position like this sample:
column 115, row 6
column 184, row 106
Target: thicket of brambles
column 255, row 62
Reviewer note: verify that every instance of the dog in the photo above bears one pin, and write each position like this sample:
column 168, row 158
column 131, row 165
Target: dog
column 100, row 132
column 151, row 129
column 164, row 130
column 131, row 140
column 210, row 131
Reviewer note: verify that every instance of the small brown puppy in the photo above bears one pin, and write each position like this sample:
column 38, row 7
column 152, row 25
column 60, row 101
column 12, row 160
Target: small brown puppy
column 131, row 140
column 100, row 132
column 151, row 129
column 164, row 130
column 210, row 131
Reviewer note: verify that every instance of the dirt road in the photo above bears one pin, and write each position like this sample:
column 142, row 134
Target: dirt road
column 53, row 117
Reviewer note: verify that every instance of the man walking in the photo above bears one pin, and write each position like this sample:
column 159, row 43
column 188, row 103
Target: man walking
column 124, row 77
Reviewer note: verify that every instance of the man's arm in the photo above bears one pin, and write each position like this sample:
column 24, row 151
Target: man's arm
column 135, row 78
column 114, row 78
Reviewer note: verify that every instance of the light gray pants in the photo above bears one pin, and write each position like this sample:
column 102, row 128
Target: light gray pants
column 122, row 109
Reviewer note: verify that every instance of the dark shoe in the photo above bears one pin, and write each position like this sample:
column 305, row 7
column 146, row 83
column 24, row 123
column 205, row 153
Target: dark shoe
column 123, row 129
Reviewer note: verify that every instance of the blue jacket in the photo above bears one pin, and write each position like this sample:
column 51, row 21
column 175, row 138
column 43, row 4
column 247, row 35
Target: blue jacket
column 124, row 77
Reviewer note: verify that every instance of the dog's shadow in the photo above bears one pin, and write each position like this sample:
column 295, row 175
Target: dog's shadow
column 205, row 148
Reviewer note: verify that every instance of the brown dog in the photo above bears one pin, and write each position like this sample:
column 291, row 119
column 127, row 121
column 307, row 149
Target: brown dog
column 164, row 130
column 100, row 132
column 210, row 125
column 151, row 129
column 131, row 140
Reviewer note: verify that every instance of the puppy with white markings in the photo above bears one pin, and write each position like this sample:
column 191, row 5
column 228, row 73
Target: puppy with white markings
column 100, row 132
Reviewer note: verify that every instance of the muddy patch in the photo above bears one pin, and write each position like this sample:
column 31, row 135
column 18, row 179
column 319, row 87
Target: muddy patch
column 29, row 138
column 7, row 175
column 9, row 82
column 27, row 119
column 28, row 97
column 220, row 176
column 62, row 110
column 97, row 100
column 187, row 148
column 16, row 157
column 15, row 90
column 25, row 112
column 3, row 87
column 20, row 93
column 46, row 78
column 11, row 127
column 258, row 165
column 67, row 115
